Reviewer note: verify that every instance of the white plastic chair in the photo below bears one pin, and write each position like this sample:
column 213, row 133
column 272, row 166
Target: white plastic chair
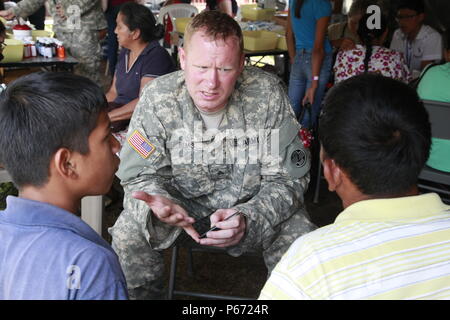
column 179, row 10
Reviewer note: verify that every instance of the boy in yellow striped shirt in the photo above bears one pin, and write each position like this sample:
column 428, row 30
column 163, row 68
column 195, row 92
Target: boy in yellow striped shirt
column 390, row 242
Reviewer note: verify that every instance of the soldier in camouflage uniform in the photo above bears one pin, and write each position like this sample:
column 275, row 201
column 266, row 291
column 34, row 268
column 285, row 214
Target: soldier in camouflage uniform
column 77, row 23
column 183, row 169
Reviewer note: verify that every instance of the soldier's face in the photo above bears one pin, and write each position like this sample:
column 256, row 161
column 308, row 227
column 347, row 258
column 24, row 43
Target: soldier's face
column 211, row 68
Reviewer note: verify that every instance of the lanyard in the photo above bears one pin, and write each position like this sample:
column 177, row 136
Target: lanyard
column 408, row 51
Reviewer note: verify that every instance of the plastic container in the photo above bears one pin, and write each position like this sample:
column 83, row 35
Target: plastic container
column 13, row 51
column 282, row 44
column 60, row 50
column 181, row 23
column 21, row 34
column 260, row 40
column 255, row 13
column 41, row 33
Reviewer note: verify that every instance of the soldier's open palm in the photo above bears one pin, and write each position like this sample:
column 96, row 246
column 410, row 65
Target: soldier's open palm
column 168, row 212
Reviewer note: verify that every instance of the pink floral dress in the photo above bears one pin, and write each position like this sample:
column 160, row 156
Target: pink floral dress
column 384, row 61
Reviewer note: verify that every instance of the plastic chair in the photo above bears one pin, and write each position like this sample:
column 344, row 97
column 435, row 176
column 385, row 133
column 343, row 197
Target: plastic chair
column 178, row 10
column 439, row 113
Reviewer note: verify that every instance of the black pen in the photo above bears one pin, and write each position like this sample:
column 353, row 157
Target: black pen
column 203, row 235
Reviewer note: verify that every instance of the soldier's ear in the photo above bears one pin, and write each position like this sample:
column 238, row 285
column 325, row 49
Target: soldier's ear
column 182, row 56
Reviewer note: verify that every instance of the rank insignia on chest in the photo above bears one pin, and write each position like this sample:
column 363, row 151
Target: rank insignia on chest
column 141, row 145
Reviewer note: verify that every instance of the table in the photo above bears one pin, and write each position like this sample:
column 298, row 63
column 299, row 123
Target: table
column 55, row 64
column 92, row 209
column 274, row 52
column 4, row 176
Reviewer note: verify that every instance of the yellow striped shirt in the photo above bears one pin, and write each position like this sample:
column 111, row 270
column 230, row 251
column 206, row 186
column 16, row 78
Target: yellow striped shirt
column 376, row 249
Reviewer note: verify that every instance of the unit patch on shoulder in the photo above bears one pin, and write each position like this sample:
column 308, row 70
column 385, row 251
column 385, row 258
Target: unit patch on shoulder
column 141, row 145
column 299, row 158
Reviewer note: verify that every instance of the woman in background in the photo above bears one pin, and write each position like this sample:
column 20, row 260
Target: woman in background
column 371, row 56
column 141, row 60
column 111, row 15
column 310, row 53
column 227, row 6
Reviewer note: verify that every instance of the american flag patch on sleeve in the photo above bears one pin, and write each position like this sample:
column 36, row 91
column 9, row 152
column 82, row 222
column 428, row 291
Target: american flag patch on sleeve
column 141, row 145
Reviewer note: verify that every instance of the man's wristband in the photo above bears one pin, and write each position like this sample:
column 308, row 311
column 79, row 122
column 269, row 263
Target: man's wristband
column 315, row 78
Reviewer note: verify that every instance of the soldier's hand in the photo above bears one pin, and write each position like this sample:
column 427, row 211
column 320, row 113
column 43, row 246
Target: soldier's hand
column 60, row 11
column 7, row 14
column 168, row 212
column 232, row 230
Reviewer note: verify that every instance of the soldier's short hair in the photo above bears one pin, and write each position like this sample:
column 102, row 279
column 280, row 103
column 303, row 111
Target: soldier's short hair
column 215, row 24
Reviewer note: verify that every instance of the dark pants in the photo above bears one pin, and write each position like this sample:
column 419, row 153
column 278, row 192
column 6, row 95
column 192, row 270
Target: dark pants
column 38, row 18
column 111, row 15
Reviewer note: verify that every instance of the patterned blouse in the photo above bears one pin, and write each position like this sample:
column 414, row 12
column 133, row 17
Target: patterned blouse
column 384, row 61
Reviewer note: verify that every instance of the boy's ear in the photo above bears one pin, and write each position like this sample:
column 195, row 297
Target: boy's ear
column 333, row 174
column 65, row 164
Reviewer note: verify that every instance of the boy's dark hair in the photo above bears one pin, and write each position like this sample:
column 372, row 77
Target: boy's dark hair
column 40, row 113
column 215, row 24
column 416, row 5
column 377, row 130
column 137, row 16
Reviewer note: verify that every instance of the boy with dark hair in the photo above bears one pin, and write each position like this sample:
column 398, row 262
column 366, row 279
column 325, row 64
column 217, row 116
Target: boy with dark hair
column 419, row 43
column 389, row 242
column 57, row 147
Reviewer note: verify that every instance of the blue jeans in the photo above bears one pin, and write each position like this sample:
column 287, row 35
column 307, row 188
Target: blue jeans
column 300, row 80
column 111, row 15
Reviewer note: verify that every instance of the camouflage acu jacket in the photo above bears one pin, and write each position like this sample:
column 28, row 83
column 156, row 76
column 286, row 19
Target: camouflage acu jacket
column 86, row 14
column 255, row 161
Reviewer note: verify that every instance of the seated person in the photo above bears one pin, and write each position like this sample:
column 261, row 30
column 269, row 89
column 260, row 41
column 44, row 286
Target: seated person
column 57, row 147
column 141, row 60
column 229, row 7
column 419, row 43
column 434, row 85
column 371, row 56
column 342, row 35
column 192, row 154
column 389, row 242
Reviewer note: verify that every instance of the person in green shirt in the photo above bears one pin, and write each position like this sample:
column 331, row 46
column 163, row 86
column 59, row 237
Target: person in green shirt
column 434, row 85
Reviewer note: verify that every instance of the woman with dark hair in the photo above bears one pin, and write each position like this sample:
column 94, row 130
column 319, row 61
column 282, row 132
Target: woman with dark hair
column 371, row 56
column 310, row 53
column 141, row 60
column 111, row 13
